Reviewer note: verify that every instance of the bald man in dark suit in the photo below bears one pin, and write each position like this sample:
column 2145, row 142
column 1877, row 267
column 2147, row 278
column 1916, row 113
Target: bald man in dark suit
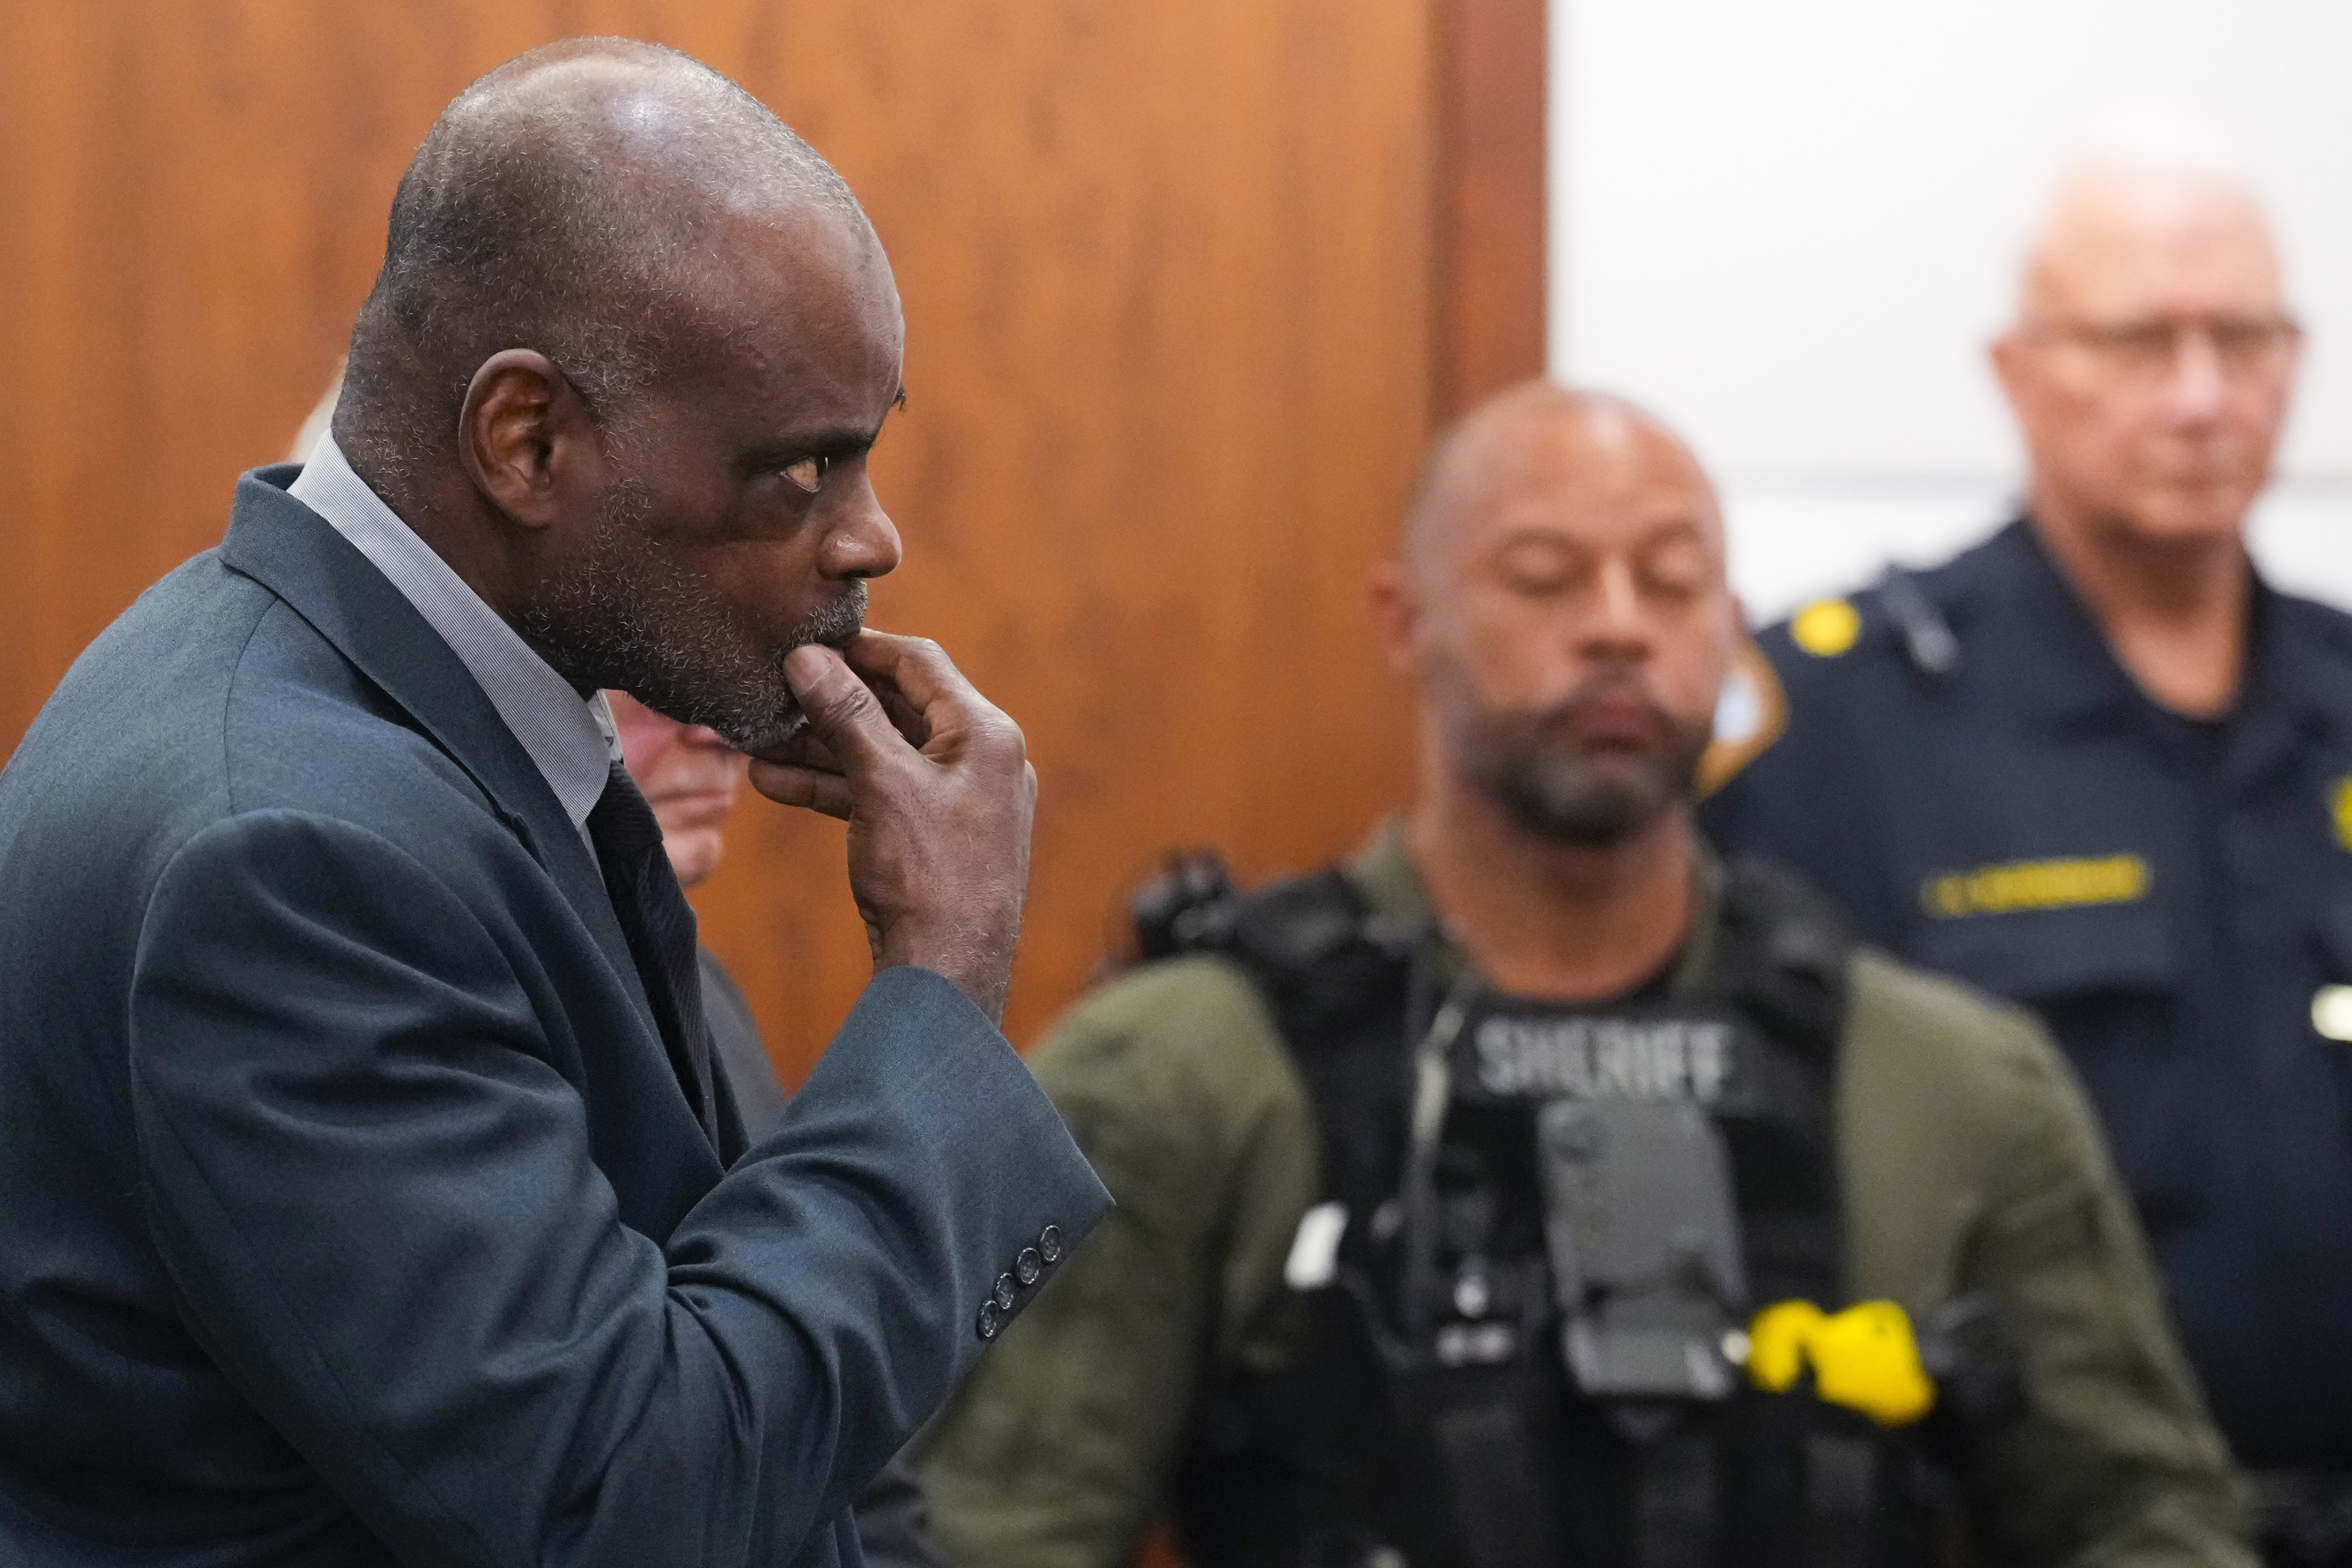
column 370, row 1193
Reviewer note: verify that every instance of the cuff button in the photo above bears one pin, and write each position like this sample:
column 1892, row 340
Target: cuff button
column 1028, row 1266
column 989, row 1321
column 1003, row 1293
column 1049, row 1243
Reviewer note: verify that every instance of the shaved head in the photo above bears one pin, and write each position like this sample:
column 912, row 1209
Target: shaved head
column 1559, row 598
column 2112, row 217
column 1537, row 433
column 567, row 202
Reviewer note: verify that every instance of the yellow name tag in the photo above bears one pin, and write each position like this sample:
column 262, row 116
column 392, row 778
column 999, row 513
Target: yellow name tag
column 2037, row 885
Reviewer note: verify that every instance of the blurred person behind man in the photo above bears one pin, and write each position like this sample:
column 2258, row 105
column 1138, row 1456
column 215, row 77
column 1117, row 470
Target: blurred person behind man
column 2096, row 765
column 1534, row 1188
column 689, row 776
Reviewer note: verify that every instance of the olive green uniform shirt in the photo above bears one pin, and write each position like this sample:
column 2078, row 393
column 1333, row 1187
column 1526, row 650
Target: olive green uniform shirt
column 1970, row 1161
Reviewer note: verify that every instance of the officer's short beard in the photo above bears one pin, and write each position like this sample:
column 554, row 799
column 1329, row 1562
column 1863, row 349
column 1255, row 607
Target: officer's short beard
column 1555, row 787
column 634, row 618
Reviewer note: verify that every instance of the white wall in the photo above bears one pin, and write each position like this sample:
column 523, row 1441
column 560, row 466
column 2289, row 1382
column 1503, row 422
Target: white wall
column 1790, row 229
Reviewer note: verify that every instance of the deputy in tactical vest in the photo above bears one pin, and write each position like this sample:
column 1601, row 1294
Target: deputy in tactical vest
column 1533, row 1188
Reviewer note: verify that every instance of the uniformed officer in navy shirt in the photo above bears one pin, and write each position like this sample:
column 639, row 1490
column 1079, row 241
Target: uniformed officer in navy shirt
column 2096, row 765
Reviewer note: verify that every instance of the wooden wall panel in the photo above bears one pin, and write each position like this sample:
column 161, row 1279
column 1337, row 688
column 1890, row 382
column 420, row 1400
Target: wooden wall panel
column 1151, row 446
column 1488, row 139
column 1177, row 321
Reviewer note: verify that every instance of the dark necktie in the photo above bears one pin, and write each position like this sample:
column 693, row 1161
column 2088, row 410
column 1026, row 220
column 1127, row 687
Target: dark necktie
column 659, row 925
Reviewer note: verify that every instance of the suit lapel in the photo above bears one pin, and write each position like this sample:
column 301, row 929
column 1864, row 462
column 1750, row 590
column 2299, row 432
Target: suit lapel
column 293, row 552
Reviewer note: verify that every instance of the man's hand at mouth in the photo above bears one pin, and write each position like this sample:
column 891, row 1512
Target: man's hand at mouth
column 935, row 783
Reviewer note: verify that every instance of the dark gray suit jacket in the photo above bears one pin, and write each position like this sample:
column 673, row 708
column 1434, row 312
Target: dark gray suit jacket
column 894, row 1517
column 350, row 1211
column 744, row 1067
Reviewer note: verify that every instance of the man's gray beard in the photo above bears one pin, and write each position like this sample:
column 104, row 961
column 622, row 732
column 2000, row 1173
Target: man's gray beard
column 1570, row 800
column 637, row 620
column 1590, row 800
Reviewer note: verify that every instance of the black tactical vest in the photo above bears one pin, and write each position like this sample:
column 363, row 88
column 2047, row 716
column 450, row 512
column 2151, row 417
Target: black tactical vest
column 1427, row 1417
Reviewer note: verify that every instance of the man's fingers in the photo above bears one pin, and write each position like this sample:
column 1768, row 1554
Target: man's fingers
column 931, row 685
column 804, row 749
column 804, row 787
column 916, row 666
column 845, row 715
column 905, row 717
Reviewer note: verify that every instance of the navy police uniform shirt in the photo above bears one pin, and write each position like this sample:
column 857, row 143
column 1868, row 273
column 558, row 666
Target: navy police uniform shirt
column 1965, row 764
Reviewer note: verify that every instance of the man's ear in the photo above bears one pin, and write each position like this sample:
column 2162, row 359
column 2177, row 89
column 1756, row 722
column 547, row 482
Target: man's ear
column 1397, row 613
column 521, row 423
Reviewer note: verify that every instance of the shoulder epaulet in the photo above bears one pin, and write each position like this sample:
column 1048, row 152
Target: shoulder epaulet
column 1776, row 668
column 1928, row 639
column 1916, row 624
